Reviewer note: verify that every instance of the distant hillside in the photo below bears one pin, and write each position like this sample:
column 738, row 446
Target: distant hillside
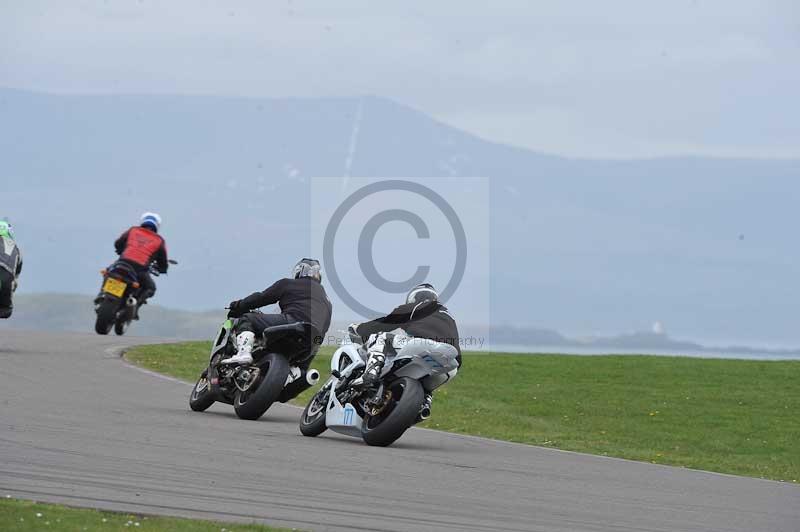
column 577, row 245
column 70, row 312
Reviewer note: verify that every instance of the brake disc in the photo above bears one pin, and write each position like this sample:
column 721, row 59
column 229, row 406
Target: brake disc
column 375, row 407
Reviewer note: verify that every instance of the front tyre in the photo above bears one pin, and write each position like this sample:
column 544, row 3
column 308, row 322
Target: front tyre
column 252, row 403
column 121, row 326
column 200, row 399
column 312, row 422
column 405, row 396
column 106, row 313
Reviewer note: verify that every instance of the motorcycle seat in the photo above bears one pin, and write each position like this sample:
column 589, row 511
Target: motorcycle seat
column 123, row 268
column 300, row 330
column 300, row 338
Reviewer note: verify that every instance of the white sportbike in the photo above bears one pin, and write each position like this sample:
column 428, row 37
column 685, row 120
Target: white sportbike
column 380, row 413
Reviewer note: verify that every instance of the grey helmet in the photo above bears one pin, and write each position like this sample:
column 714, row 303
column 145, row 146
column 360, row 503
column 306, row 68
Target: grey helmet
column 307, row 268
column 421, row 293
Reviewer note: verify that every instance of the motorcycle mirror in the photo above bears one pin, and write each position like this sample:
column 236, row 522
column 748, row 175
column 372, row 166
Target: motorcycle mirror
column 171, row 261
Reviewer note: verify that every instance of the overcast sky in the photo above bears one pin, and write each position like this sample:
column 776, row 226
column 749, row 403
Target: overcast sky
column 590, row 79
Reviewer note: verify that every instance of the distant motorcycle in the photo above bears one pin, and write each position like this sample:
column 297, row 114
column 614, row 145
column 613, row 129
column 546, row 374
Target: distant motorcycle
column 274, row 375
column 379, row 414
column 119, row 299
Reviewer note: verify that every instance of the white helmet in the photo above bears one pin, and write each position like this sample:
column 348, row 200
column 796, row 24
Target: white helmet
column 152, row 219
column 307, row 268
column 422, row 292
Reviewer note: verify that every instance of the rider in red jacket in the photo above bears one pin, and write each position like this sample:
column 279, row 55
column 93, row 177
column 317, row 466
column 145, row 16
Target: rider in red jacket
column 141, row 246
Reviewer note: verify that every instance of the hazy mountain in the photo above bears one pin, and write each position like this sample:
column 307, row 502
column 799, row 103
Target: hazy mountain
column 72, row 312
column 707, row 246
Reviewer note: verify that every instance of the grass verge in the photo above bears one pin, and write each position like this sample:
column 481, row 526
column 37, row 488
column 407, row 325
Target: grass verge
column 730, row 416
column 23, row 516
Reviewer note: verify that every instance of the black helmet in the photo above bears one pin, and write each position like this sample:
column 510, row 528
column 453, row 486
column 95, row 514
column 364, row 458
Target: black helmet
column 307, row 268
column 421, row 293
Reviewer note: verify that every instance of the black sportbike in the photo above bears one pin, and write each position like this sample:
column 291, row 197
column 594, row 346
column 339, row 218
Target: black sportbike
column 279, row 371
column 120, row 297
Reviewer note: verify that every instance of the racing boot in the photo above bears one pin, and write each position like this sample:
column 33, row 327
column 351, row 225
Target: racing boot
column 374, row 367
column 244, row 344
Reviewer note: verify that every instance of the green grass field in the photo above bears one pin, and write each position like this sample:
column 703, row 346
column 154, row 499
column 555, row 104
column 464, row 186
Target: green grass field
column 24, row 516
column 732, row 416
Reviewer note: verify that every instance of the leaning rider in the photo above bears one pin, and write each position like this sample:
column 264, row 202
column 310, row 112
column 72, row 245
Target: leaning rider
column 301, row 298
column 422, row 316
column 139, row 247
column 10, row 268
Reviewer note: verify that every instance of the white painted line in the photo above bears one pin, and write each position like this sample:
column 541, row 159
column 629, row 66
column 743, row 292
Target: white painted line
column 119, row 353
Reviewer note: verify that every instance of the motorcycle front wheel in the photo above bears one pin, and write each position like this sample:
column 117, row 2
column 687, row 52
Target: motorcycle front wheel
column 312, row 422
column 121, row 326
column 200, row 399
column 405, row 396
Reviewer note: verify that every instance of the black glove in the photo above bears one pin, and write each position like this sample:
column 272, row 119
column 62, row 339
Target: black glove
column 236, row 309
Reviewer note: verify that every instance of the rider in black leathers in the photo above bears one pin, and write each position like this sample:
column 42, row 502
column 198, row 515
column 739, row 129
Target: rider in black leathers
column 301, row 299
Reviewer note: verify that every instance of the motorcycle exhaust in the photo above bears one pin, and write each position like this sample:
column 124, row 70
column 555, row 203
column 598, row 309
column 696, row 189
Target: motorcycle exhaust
column 131, row 302
column 425, row 413
column 312, row 377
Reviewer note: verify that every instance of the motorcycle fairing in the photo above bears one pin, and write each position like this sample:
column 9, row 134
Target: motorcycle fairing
column 219, row 345
column 425, row 358
column 354, row 354
column 343, row 419
column 222, row 338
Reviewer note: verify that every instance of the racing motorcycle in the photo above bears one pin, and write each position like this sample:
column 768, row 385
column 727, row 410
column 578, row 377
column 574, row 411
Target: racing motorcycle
column 381, row 413
column 119, row 300
column 276, row 374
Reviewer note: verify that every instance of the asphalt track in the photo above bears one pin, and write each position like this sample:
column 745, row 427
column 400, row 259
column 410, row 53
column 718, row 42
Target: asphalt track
column 80, row 426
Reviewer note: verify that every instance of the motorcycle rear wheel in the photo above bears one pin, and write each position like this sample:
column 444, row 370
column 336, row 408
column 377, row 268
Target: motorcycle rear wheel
column 252, row 404
column 401, row 412
column 106, row 313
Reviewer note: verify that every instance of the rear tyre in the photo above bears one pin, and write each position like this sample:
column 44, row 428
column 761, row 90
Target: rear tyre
column 106, row 312
column 200, row 399
column 400, row 413
column 312, row 422
column 252, row 403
